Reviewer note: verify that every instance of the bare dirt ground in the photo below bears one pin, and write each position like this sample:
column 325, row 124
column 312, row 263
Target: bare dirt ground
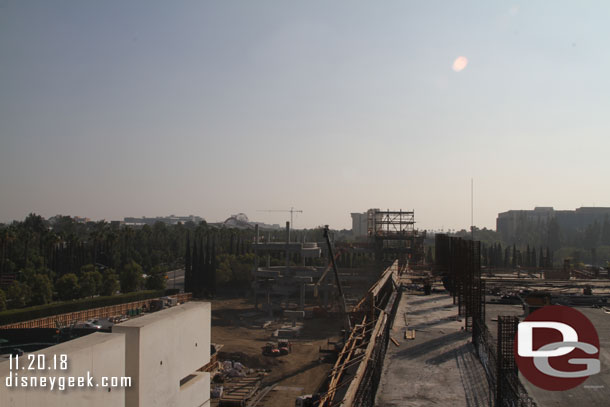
column 297, row 373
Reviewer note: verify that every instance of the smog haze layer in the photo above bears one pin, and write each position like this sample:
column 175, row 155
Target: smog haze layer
column 114, row 109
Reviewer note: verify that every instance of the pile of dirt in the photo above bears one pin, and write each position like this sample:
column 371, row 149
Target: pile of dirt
column 253, row 362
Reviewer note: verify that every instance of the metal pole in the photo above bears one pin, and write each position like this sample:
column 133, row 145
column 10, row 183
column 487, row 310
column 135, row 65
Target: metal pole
column 472, row 207
column 291, row 222
column 287, row 241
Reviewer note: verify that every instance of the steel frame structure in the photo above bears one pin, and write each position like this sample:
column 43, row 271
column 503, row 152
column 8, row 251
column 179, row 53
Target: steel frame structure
column 459, row 261
column 394, row 236
column 390, row 223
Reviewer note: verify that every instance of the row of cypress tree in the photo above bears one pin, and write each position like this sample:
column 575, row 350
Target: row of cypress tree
column 200, row 265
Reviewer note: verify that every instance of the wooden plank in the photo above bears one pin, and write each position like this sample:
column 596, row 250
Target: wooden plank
column 343, row 358
column 236, row 393
column 394, row 341
column 350, row 394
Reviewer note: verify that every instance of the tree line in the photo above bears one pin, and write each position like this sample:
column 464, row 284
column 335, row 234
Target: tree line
column 61, row 259
column 543, row 244
column 493, row 255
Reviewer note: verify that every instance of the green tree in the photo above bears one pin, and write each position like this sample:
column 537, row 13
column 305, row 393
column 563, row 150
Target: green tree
column 605, row 235
column 533, row 257
column 110, row 283
column 429, row 258
column 188, row 265
column 90, row 283
column 514, row 259
column 131, row 277
column 67, row 287
column 499, row 253
column 19, row 294
column 554, row 235
column 592, row 233
column 87, row 268
column 2, row 301
column 156, row 279
column 42, row 289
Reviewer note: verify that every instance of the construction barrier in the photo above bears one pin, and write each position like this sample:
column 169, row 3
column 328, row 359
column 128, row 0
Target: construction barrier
column 93, row 313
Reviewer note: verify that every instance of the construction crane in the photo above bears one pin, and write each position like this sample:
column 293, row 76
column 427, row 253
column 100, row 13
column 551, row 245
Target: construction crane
column 331, row 255
column 292, row 212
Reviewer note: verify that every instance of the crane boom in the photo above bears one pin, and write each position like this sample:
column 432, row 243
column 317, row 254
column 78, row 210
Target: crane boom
column 291, row 210
column 348, row 324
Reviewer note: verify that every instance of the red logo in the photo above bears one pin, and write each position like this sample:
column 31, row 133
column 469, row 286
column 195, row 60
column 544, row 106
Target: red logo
column 557, row 348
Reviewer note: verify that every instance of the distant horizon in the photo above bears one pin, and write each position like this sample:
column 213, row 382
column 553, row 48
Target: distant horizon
column 281, row 223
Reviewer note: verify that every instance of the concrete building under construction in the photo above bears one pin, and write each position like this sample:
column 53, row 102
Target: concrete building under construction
column 278, row 287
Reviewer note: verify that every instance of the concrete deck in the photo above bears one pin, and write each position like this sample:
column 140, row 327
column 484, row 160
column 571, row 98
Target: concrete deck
column 439, row 367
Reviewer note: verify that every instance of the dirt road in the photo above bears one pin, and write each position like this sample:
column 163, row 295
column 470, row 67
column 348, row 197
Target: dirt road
column 235, row 326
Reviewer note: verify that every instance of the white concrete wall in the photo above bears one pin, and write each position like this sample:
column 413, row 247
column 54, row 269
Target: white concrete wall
column 157, row 351
column 161, row 349
column 101, row 354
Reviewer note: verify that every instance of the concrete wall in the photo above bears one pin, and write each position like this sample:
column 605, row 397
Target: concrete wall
column 101, row 354
column 359, row 224
column 160, row 352
column 164, row 348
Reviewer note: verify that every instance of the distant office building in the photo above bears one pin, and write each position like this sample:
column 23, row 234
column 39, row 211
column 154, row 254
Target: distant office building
column 169, row 220
column 508, row 222
column 359, row 224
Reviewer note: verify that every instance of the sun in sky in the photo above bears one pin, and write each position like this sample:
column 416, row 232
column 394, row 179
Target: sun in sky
column 460, row 63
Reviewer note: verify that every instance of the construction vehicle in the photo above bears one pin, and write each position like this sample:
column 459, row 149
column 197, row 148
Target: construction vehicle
column 271, row 349
column 279, row 348
column 285, row 346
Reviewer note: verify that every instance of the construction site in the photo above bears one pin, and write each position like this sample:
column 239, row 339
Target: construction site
column 396, row 331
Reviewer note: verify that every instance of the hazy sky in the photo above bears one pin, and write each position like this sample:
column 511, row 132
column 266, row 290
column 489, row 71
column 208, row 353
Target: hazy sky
column 144, row 108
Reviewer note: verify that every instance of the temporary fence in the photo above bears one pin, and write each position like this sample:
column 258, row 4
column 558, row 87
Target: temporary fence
column 69, row 318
